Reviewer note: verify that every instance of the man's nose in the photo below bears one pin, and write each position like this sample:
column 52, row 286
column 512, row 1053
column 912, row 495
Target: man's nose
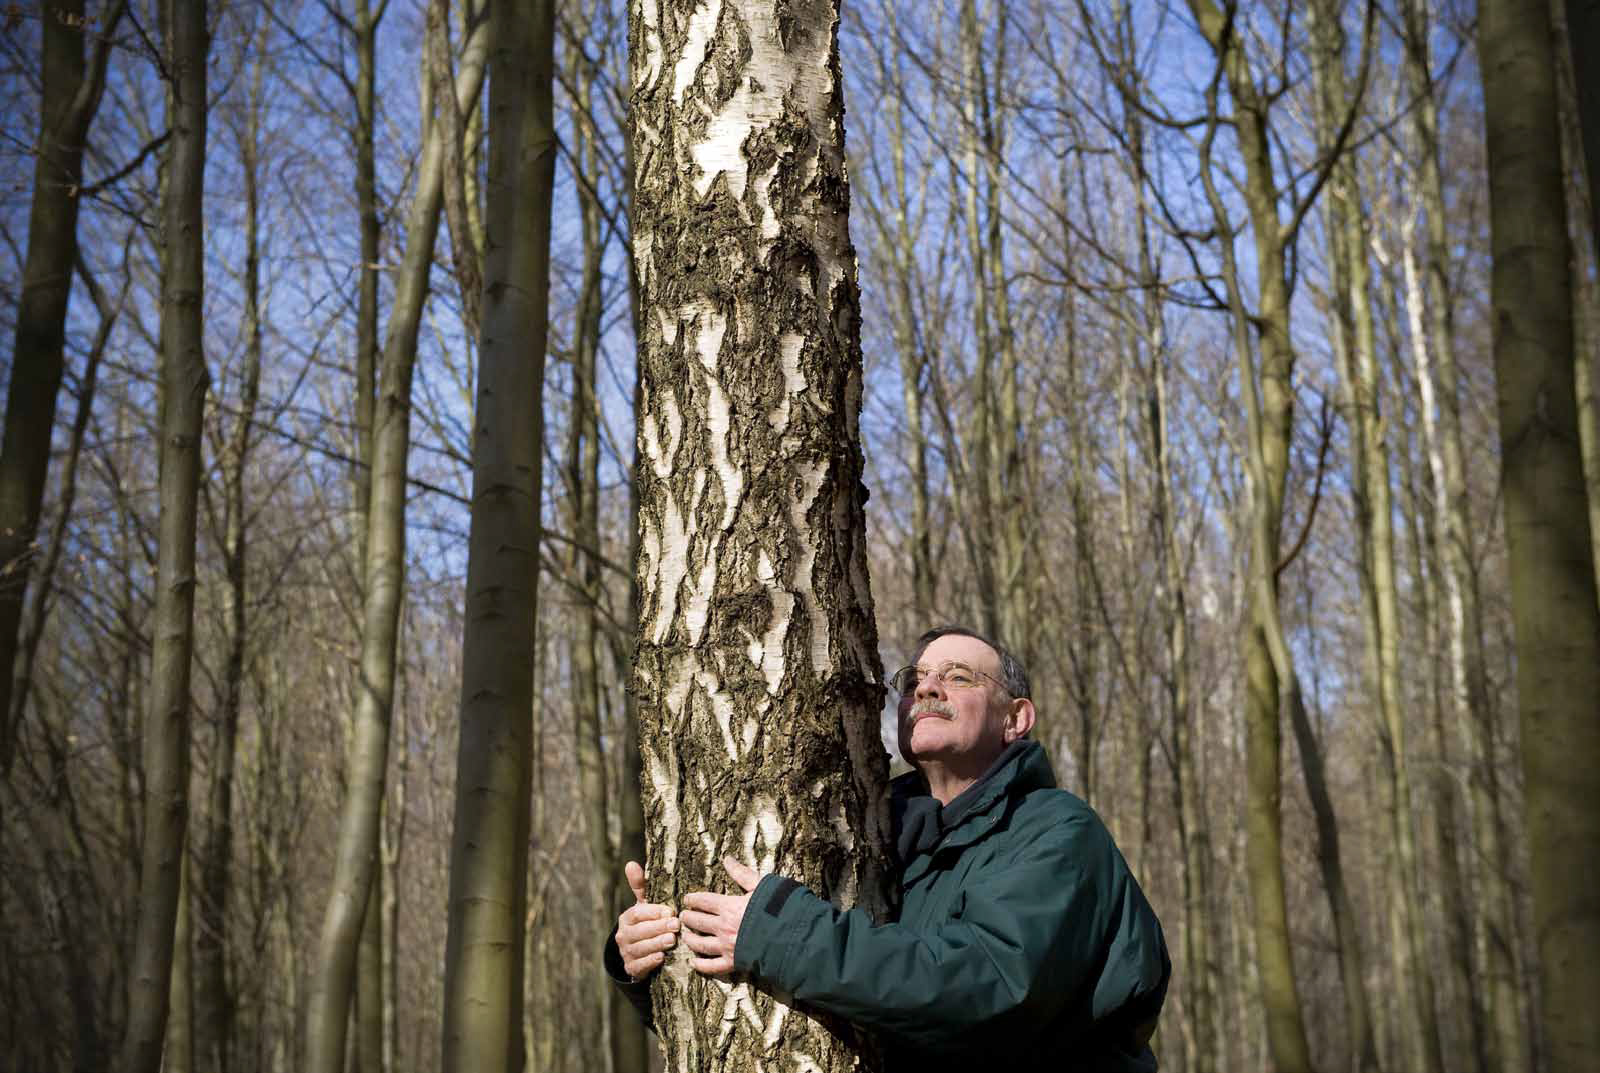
column 930, row 685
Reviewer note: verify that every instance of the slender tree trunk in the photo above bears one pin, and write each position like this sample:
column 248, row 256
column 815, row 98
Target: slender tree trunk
column 333, row 980
column 1269, row 669
column 69, row 92
column 908, row 334
column 178, row 1056
column 632, row 1043
column 371, row 993
column 582, row 464
column 1583, row 38
column 1355, row 344
column 978, row 435
column 488, row 850
column 1433, row 352
column 1553, row 598
column 184, row 382
column 1578, row 90
column 214, row 999
column 756, row 609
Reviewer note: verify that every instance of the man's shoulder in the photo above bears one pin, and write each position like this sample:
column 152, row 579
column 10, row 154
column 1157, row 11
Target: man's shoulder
column 1052, row 818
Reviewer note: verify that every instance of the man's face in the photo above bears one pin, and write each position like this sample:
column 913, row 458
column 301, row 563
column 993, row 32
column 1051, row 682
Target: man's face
column 968, row 728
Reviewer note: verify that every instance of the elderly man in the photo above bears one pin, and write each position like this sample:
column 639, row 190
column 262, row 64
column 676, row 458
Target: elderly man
column 1022, row 936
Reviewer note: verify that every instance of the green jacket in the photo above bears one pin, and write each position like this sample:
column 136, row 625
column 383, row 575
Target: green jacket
column 1022, row 937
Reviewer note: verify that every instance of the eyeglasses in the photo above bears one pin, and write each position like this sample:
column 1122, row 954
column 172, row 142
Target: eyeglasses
column 954, row 675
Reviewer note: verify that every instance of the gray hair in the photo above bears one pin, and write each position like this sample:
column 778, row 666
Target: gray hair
column 1012, row 674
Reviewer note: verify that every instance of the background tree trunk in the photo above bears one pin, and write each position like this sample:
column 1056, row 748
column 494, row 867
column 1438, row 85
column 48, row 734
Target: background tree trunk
column 70, row 89
column 489, row 845
column 757, row 667
column 1547, row 524
column 184, row 381
column 333, row 981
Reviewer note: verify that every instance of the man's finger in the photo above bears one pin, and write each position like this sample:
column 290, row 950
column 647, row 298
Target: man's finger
column 642, row 911
column 719, row 966
column 635, row 874
column 705, row 945
column 646, row 929
column 643, row 967
column 742, row 873
column 706, row 901
column 704, row 923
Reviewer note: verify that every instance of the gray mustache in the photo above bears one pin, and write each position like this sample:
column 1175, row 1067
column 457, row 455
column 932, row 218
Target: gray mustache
column 933, row 707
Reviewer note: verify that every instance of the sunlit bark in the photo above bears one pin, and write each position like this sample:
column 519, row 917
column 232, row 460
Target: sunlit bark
column 757, row 667
column 489, row 844
column 1553, row 600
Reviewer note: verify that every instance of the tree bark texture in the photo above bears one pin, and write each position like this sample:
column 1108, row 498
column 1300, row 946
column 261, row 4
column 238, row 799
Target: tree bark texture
column 1553, row 602
column 756, row 664
column 184, row 381
column 328, row 999
column 70, row 90
column 489, row 844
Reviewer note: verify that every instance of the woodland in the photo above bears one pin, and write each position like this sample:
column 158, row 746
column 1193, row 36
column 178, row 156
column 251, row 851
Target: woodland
column 437, row 470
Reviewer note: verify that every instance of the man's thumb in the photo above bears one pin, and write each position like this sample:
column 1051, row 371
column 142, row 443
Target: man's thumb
column 635, row 876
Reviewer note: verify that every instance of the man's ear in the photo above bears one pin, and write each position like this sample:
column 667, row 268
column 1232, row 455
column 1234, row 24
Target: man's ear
column 1019, row 720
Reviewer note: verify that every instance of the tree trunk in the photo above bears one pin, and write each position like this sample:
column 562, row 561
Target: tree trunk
column 488, row 850
column 184, row 381
column 1355, row 346
column 582, row 464
column 1583, row 38
column 1269, row 669
column 69, row 92
column 908, row 335
column 178, row 1056
column 214, row 1000
column 332, row 983
column 757, row 667
column 1553, row 601
column 371, row 992
column 1439, row 382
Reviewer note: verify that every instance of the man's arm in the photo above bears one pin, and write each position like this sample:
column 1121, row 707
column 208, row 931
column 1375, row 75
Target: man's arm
column 1026, row 948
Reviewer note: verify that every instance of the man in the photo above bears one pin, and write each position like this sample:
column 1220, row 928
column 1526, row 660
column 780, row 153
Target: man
column 1022, row 937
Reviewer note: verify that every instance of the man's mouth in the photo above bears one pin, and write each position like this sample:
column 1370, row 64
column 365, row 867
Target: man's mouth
column 937, row 710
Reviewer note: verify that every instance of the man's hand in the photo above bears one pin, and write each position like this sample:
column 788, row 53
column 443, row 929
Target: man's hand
column 712, row 921
column 645, row 931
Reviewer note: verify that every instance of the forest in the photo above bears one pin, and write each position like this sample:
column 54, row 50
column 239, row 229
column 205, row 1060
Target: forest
column 455, row 447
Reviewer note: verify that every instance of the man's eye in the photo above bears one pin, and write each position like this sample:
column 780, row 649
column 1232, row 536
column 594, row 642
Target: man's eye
column 958, row 676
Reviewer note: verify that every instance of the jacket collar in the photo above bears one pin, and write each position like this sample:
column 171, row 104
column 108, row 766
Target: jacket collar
column 921, row 825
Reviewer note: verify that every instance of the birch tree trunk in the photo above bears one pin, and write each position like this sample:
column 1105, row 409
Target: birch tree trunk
column 333, row 979
column 1553, row 601
column 756, row 666
column 184, row 381
column 489, row 844
column 69, row 93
